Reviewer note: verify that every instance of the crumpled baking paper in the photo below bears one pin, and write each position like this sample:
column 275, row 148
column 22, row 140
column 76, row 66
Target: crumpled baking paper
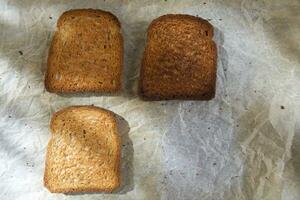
column 240, row 145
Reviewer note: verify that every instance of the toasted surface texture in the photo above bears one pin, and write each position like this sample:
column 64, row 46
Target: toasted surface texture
column 179, row 59
column 86, row 54
column 83, row 154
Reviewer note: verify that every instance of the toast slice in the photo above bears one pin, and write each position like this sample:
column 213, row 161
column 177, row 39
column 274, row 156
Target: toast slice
column 83, row 154
column 179, row 60
column 86, row 54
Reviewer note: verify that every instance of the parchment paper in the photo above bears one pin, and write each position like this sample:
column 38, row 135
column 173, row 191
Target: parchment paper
column 237, row 146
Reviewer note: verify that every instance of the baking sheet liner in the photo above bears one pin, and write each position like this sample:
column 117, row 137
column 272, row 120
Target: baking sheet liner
column 240, row 145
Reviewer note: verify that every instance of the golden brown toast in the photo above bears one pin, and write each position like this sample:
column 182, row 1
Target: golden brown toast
column 86, row 54
column 83, row 154
column 179, row 60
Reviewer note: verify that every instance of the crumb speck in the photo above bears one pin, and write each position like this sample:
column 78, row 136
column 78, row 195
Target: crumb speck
column 144, row 138
column 214, row 163
column 50, row 17
column 57, row 76
column 21, row 53
column 208, row 128
column 9, row 116
column 204, row 3
column 220, row 19
column 237, row 126
column 282, row 107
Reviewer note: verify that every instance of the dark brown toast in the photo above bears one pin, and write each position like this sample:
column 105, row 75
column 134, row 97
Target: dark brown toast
column 179, row 60
column 86, row 54
column 83, row 154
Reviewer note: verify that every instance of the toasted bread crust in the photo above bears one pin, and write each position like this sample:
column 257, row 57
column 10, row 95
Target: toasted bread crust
column 91, row 68
column 179, row 60
column 56, row 187
column 88, row 13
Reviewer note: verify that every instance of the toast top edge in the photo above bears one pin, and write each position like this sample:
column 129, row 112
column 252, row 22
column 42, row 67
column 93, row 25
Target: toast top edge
column 88, row 107
column 180, row 17
column 109, row 113
column 88, row 12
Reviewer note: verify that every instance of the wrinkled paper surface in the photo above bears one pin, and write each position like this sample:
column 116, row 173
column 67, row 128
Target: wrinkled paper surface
column 240, row 145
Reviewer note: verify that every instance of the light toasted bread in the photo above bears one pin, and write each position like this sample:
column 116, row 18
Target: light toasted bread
column 86, row 54
column 83, row 154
